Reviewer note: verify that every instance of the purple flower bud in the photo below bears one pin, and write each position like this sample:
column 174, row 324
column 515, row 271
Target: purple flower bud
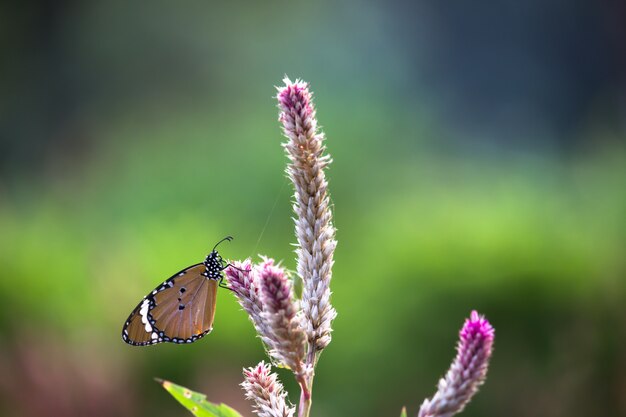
column 467, row 372
column 262, row 387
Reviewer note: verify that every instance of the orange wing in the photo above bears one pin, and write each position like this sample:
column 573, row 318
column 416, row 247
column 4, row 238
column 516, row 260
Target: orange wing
column 181, row 310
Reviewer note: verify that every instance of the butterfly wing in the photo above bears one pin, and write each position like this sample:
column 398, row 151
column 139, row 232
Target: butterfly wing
column 181, row 310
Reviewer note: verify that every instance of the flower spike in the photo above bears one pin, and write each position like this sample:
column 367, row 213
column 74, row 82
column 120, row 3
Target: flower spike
column 467, row 372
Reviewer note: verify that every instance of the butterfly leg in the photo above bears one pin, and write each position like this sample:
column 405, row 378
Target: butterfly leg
column 221, row 284
column 238, row 269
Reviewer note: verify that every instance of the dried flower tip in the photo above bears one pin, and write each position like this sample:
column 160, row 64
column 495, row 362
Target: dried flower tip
column 263, row 388
column 314, row 230
column 279, row 312
column 467, row 372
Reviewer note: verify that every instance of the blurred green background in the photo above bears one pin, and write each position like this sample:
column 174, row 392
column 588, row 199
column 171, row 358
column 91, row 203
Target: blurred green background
column 479, row 163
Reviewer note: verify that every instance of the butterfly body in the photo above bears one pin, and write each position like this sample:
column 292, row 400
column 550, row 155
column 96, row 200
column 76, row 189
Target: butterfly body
column 181, row 310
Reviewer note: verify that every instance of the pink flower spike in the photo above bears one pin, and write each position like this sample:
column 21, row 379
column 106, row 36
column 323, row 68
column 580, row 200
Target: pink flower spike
column 264, row 389
column 314, row 228
column 242, row 280
column 276, row 288
column 467, row 372
column 239, row 277
column 477, row 326
column 287, row 344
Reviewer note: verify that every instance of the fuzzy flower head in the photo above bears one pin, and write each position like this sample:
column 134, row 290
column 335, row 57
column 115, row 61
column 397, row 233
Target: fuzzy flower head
column 477, row 328
column 467, row 372
column 263, row 388
column 239, row 278
column 243, row 281
column 265, row 293
column 314, row 229
column 275, row 287
column 287, row 344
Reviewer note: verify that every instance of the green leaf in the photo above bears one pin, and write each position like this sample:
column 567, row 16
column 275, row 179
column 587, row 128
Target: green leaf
column 403, row 412
column 196, row 402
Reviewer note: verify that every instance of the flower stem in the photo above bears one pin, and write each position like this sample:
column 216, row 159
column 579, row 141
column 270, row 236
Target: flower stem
column 305, row 403
column 306, row 384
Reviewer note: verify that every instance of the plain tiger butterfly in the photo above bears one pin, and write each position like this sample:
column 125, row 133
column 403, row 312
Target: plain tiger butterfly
column 181, row 310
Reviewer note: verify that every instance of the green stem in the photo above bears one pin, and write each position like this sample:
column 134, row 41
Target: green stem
column 306, row 384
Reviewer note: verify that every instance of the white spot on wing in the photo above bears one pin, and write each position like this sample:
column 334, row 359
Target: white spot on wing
column 143, row 311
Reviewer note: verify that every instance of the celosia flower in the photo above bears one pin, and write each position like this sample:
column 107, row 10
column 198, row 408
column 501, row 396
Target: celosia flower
column 262, row 387
column 280, row 315
column 314, row 229
column 243, row 282
column 467, row 372
column 265, row 293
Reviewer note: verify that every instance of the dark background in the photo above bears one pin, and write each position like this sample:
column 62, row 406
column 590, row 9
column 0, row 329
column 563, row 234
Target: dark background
column 479, row 162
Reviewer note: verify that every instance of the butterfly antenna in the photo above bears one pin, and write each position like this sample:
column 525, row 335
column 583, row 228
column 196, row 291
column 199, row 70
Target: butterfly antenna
column 228, row 238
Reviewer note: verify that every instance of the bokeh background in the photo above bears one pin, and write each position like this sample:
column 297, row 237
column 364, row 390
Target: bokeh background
column 479, row 163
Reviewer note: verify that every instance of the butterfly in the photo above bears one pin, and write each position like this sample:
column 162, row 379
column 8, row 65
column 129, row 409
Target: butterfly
column 181, row 310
